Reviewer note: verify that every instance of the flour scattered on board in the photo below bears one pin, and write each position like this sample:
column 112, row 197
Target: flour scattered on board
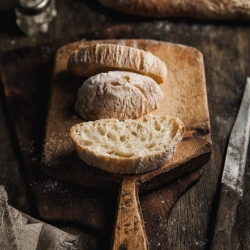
column 224, row 125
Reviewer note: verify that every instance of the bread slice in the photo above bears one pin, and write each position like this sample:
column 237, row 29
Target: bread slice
column 118, row 94
column 130, row 146
column 97, row 58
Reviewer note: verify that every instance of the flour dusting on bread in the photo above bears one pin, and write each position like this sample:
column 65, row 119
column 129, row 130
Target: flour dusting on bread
column 118, row 94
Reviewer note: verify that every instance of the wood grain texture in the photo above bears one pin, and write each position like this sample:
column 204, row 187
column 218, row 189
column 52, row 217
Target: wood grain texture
column 129, row 232
column 12, row 177
column 226, row 218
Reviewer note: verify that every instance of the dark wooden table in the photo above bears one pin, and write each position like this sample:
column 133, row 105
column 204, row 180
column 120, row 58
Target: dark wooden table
column 226, row 49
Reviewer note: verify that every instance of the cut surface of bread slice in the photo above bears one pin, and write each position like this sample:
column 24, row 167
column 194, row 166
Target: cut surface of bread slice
column 97, row 58
column 130, row 146
column 118, row 94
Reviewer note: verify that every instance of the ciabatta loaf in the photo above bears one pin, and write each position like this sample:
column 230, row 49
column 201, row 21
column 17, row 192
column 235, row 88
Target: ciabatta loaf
column 97, row 58
column 203, row 9
column 130, row 146
column 118, row 94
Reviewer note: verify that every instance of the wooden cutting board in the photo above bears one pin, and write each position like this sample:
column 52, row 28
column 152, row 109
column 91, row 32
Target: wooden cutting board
column 185, row 97
column 26, row 75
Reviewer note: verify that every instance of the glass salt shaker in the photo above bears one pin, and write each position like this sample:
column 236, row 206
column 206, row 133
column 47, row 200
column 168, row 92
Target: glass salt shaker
column 33, row 16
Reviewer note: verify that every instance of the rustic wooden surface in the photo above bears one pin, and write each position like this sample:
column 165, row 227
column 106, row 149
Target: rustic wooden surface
column 183, row 93
column 27, row 85
column 224, row 231
column 226, row 50
column 62, row 163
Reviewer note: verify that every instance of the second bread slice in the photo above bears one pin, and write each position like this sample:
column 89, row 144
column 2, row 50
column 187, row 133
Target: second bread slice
column 97, row 58
column 128, row 147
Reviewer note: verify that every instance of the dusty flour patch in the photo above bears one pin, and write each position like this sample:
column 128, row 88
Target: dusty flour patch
column 57, row 147
column 224, row 125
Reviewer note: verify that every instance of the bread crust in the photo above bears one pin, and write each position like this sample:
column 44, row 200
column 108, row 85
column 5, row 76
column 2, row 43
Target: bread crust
column 202, row 9
column 128, row 147
column 118, row 94
column 97, row 58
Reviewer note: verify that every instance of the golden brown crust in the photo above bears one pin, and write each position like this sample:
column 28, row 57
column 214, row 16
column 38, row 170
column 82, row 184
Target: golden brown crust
column 97, row 58
column 203, row 9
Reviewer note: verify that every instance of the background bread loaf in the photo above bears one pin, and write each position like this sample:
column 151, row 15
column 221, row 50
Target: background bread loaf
column 118, row 94
column 203, row 9
column 97, row 58
column 130, row 146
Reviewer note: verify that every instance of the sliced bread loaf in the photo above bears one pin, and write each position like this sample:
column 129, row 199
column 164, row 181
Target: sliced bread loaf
column 130, row 146
column 118, row 94
column 97, row 58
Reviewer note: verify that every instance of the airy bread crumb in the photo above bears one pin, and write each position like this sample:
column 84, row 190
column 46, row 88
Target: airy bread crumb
column 130, row 146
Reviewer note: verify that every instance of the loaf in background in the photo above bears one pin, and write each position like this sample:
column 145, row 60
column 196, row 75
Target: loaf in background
column 202, row 9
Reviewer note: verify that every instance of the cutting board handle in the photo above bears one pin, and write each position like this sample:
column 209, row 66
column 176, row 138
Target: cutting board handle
column 129, row 232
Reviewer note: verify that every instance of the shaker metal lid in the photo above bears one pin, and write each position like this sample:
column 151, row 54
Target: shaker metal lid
column 32, row 7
